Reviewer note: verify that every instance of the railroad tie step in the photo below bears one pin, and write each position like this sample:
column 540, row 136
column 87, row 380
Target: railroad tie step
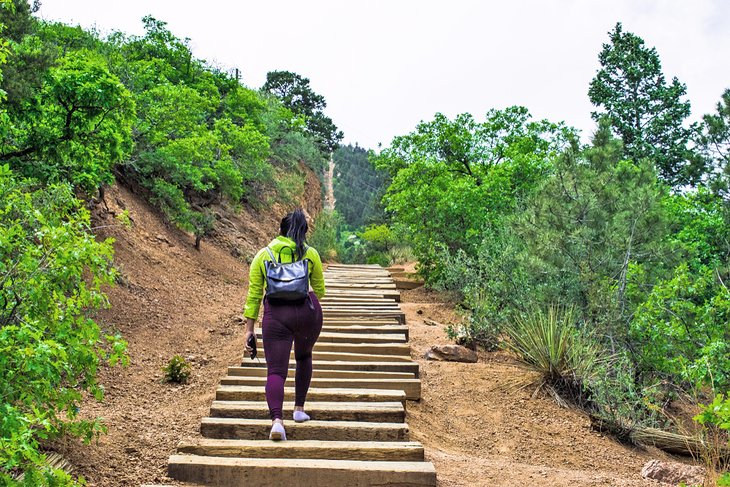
column 252, row 393
column 247, row 429
column 387, row 451
column 348, row 357
column 342, row 374
column 370, row 365
column 244, row 472
column 412, row 387
column 379, row 412
column 368, row 349
column 356, row 338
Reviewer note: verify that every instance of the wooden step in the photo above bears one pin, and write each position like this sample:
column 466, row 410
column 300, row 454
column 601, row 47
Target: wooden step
column 379, row 412
column 341, row 374
column 330, row 337
column 398, row 349
column 328, row 320
column 251, row 393
column 401, row 451
column 412, row 387
column 344, row 313
column 253, row 429
column 245, row 472
column 345, row 357
column 360, row 329
column 379, row 366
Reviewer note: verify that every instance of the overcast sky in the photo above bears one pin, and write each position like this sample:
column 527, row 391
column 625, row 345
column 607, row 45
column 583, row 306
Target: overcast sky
column 384, row 65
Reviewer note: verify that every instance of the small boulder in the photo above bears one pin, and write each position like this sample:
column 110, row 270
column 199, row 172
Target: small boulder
column 451, row 353
column 673, row 473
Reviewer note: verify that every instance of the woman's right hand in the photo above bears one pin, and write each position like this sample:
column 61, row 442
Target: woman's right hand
column 249, row 332
column 246, row 337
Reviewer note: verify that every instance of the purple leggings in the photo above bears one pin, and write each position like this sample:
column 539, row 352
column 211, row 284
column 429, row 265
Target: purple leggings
column 282, row 324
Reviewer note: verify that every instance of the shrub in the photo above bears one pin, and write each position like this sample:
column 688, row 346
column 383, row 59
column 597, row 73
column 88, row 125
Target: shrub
column 325, row 235
column 715, row 418
column 549, row 344
column 177, row 370
column 52, row 271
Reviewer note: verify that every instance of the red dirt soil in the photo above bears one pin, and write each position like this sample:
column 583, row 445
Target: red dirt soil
column 173, row 299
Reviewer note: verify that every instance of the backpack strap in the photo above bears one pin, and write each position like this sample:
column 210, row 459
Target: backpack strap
column 271, row 254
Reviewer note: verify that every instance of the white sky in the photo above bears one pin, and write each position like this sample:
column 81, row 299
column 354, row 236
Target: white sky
column 384, row 65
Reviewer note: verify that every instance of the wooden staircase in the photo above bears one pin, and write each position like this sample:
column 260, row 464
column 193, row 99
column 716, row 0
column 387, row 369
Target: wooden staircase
column 357, row 436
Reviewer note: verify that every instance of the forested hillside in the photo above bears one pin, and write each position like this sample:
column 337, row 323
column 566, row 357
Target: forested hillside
column 79, row 112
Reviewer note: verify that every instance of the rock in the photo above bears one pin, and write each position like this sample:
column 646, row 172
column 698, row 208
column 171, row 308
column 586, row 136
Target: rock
column 673, row 473
column 451, row 353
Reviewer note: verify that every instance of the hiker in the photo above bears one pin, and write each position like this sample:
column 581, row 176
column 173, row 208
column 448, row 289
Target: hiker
column 289, row 317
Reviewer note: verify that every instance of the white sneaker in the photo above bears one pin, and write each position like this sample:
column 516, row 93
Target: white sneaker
column 277, row 432
column 301, row 416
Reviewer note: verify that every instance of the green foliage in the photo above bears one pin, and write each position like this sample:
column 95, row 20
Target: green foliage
column 548, row 343
column 717, row 415
column 715, row 141
column 79, row 124
column 325, row 235
column 642, row 108
column 453, row 179
column 358, row 186
column 52, row 271
column 584, row 228
column 177, row 370
column 295, row 94
column 682, row 328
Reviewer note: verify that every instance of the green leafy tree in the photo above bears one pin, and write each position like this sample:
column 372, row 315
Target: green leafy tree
column 715, row 140
column 79, row 125
column 295, row 93
column 52, row 271
column 586, row 227
column 453, row 179
column 646, row 111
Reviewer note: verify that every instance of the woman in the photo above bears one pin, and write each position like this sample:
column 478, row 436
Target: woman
column 286, row 321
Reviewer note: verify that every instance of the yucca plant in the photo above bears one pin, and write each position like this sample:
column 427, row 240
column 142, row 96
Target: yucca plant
column 548, row 343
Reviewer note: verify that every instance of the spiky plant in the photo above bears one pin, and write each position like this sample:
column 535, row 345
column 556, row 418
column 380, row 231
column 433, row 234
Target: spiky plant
column 548, row 343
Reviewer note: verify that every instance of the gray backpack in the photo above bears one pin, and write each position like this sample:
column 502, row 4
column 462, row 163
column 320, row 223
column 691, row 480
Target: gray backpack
column 287, row 282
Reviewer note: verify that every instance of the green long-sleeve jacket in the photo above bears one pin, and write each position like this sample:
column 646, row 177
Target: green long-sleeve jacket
column 285, row 247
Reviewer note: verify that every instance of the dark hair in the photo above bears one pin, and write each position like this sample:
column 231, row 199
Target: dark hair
column 294, row 226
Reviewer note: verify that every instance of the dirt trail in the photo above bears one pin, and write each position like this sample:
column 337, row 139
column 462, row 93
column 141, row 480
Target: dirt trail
column 175, row 300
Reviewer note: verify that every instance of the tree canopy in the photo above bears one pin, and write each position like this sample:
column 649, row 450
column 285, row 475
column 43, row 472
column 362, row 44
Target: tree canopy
column 645, row 110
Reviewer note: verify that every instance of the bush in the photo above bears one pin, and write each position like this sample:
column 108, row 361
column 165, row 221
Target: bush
column 549, row 344
column 325, row 235
column 52, row 271
column 715, row 418
column 177, row 370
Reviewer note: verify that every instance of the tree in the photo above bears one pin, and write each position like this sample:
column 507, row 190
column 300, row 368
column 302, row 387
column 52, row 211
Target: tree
column 52, row 272
column 715, row 141
column 295, row 93
column 75, row 128
column 643, row 109
column 453, row 179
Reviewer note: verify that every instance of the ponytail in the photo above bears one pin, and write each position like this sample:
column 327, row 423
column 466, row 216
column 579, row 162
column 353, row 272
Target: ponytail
column 294, row 226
